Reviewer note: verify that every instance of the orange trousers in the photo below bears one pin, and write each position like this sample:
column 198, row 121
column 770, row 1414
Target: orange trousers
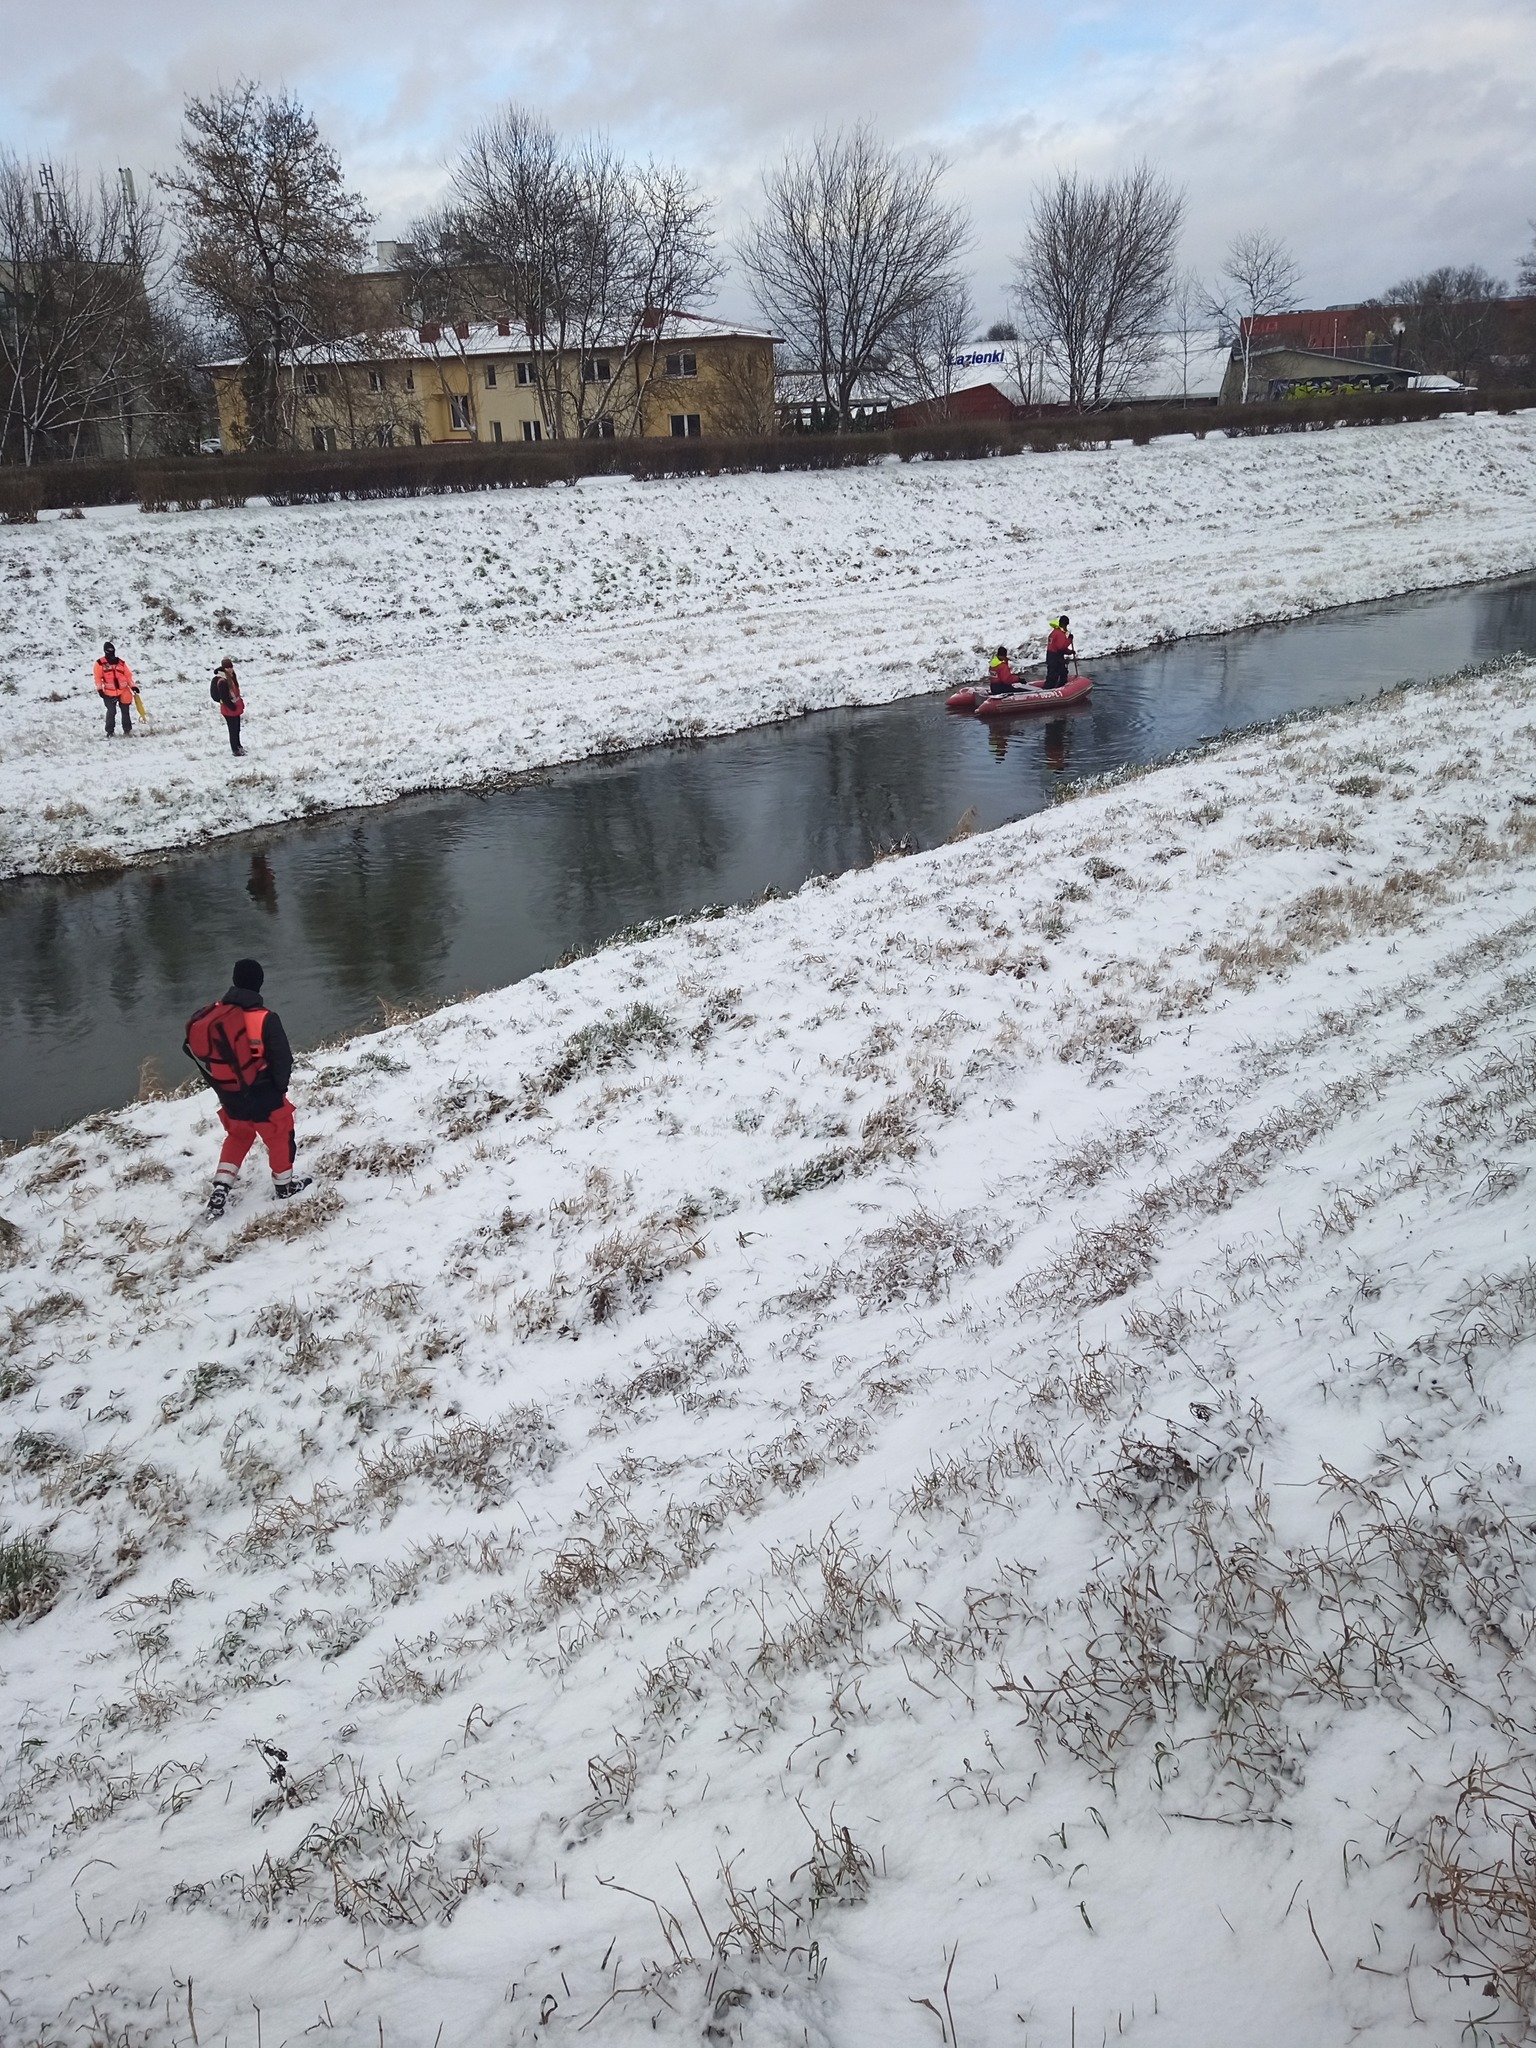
column 275, row 1132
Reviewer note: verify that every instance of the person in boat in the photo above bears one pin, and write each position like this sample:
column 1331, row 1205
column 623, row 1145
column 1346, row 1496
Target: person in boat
column 1001, row 679
column 1058, row 647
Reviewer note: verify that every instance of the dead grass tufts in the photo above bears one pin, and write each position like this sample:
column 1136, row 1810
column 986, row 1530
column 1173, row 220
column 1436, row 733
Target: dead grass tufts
column 1477, row 1866
column 624, row 1266
column 286, row 1222
column 835, row 1595
column 390, row 1159
column 642, row 1027
column 483, row 1458
column 917, row 1257
column 30, row 1576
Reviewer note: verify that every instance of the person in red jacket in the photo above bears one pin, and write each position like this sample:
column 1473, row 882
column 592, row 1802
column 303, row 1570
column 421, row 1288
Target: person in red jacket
column 225, row 692
column 114, row 686
column 242, row 1052
column 1057, row 647
column 1001, row 680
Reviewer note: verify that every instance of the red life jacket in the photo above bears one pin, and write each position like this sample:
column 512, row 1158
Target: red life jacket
column 225, row 1042
column 1059, row 641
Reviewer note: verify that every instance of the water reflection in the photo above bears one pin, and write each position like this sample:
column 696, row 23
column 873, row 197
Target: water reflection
column 442, row 894
column 261, row 886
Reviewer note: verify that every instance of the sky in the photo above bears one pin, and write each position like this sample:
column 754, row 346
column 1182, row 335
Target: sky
column 1378, row 139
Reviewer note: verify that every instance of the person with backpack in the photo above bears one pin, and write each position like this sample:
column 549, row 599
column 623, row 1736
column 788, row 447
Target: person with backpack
column 114, row 686
column 1057, row 647
column 225, row 692
column 242, row 1051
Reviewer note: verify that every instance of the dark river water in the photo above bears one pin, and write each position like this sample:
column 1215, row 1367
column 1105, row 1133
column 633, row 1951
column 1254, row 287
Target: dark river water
column 438, row 895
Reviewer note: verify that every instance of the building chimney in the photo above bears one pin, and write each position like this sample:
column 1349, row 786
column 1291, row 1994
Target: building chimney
column 461, row 329
column 504, row 327
column 431, row 332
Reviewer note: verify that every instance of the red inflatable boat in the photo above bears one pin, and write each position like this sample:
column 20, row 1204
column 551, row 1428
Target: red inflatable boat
column 1011, row 703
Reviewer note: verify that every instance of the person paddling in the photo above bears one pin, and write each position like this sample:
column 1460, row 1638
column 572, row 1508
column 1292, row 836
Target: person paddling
column 225, row 692
column 1001, row 679
column 114, row 686
column 1058, row 646
column 242, row 1051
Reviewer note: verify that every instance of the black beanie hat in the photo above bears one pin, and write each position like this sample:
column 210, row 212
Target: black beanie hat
column 248, row 974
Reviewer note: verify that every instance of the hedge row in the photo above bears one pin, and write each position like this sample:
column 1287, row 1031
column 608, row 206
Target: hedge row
column 310, row 479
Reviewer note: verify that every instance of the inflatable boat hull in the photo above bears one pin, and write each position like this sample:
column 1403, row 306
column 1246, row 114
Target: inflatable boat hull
column 1016, row 702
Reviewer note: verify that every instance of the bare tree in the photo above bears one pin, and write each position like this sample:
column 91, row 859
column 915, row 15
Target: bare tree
column 854, row 244
column 1261, row 277
column 1188, row 321
column 925, row 344
column 586, row 250
column 1449, row 317
column 269, row 231
column 1095, row 274
column 75, row 316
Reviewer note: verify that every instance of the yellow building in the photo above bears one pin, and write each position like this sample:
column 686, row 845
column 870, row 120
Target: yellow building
column 448, row 383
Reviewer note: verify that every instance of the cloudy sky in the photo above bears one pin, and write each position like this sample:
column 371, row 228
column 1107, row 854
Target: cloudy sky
column 1379, row 138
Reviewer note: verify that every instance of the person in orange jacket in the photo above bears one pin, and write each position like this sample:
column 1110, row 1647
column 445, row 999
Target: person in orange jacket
column 241, row 1050
column 114, row 685
column 225, row 692
column 1057, row 647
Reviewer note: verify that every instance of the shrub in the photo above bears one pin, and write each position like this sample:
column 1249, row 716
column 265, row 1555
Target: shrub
column 308, row 477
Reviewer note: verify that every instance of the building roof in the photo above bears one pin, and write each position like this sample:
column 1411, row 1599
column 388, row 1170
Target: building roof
column 451, row 339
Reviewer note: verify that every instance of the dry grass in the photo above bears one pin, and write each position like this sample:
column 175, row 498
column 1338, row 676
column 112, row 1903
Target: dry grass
column 834, row 1594
column 285, row 1222
column 484, row 1459
column 30, row 1576
column 1477, row 1868
column 642, row 1027
column 391, row 1159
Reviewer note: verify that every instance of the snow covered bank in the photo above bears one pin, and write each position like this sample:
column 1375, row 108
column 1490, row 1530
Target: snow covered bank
column 973, row 1426
column 392, row 647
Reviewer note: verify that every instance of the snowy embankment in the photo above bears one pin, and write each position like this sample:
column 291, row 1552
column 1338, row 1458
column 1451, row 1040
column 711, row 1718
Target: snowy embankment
column 446, row 642
column 976, row 1426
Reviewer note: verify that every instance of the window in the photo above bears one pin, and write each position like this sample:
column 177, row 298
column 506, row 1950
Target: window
column 385, row 436
column 323, row 440
column 685, row 426
column 596, row 370
column 599, row 430
column 314, row 383
column 416, row 437
column 495, row 430
column 458, row 413
column 683, row 366
column 375, row 380
column 525, row 373
column 490, row 376
column 410, row 378
column 532, row 430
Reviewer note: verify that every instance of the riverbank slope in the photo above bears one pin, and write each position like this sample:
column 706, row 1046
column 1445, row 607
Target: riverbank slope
column 965, row 1440
column 446, row 642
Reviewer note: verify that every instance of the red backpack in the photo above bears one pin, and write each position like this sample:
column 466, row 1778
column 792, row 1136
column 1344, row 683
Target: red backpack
column 225, row 1042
